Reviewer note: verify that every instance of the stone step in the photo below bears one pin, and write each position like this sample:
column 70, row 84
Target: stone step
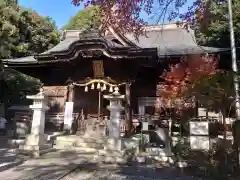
column 114, row 156
column 35, row 153
column 108, row 152
column 9, row 150
column 79, row 144
column 156, row 151
column 15, row 143
column 161, row 158
column 34, row 150
column 83, row 139
column 53, row 136
column 110, row 159
column 77, row 149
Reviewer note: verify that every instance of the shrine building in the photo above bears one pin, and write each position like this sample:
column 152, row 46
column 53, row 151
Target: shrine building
column 87, row 64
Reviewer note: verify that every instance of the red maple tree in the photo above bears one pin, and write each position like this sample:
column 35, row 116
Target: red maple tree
column 182, row 76
column 125, row 15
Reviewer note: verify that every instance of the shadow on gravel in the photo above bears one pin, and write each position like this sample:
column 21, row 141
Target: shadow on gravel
column 9, row 159
column 62, row 165
column 130, row 172
column 51, row 166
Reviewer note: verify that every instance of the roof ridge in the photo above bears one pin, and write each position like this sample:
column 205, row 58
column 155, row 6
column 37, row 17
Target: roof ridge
column 177, row 25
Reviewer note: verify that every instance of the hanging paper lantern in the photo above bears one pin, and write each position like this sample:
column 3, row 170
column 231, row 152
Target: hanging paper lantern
column 98, row 86
column 92, row 86
column 86, row 89
column 104, row 87
column 111, row 89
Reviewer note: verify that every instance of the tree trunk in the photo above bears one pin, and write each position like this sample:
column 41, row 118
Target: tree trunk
column 236, row 137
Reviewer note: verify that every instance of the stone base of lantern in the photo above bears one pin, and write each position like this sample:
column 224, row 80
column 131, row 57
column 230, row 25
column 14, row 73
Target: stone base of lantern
column 113, row 152
column 33, row 139
column 115, row 144
column 35, row 145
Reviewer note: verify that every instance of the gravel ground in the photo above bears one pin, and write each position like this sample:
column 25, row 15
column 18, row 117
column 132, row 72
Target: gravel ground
column 108, row 172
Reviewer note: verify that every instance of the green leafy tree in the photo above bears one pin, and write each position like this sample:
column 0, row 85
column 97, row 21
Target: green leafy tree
column 23, row 32
column 215, row 91
column 84, row 19
column 15, row 86
column 213, row 28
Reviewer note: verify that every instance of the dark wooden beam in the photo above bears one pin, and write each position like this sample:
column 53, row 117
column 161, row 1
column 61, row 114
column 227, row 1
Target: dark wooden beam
column 128, row 109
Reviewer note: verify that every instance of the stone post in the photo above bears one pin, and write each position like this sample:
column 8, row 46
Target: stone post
column 115, row 108
column 35, row 141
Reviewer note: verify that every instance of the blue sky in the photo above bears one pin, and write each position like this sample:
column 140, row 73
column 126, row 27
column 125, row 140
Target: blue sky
column 59, row 10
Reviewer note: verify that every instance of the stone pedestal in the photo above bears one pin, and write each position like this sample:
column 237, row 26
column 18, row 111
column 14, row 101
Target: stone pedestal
column 35, row 145
column 114, row 144
column 35, row 141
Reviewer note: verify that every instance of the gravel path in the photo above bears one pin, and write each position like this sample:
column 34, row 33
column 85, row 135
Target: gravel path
column 108, row 172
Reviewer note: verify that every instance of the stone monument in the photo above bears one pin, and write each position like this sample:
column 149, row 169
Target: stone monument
column 114, row 141
column 35, row 141
column 199, row 135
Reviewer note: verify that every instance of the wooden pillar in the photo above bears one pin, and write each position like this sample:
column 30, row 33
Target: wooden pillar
column 128, row 109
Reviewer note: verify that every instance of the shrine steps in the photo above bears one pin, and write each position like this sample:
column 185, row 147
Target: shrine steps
column 35, row 151
column 16, row 143
column 80, row 144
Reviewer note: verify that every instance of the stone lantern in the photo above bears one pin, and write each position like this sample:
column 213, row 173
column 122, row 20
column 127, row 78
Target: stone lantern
column 115, row 107
column 35, row 141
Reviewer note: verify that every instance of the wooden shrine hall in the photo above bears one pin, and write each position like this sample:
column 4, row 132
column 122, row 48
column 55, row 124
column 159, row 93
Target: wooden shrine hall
column 87, row 64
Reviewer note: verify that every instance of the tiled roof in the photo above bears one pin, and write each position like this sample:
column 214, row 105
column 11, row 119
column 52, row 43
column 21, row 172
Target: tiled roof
column 171, row 41
column 167, row 40
column 22, row 60
column 71, row 37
